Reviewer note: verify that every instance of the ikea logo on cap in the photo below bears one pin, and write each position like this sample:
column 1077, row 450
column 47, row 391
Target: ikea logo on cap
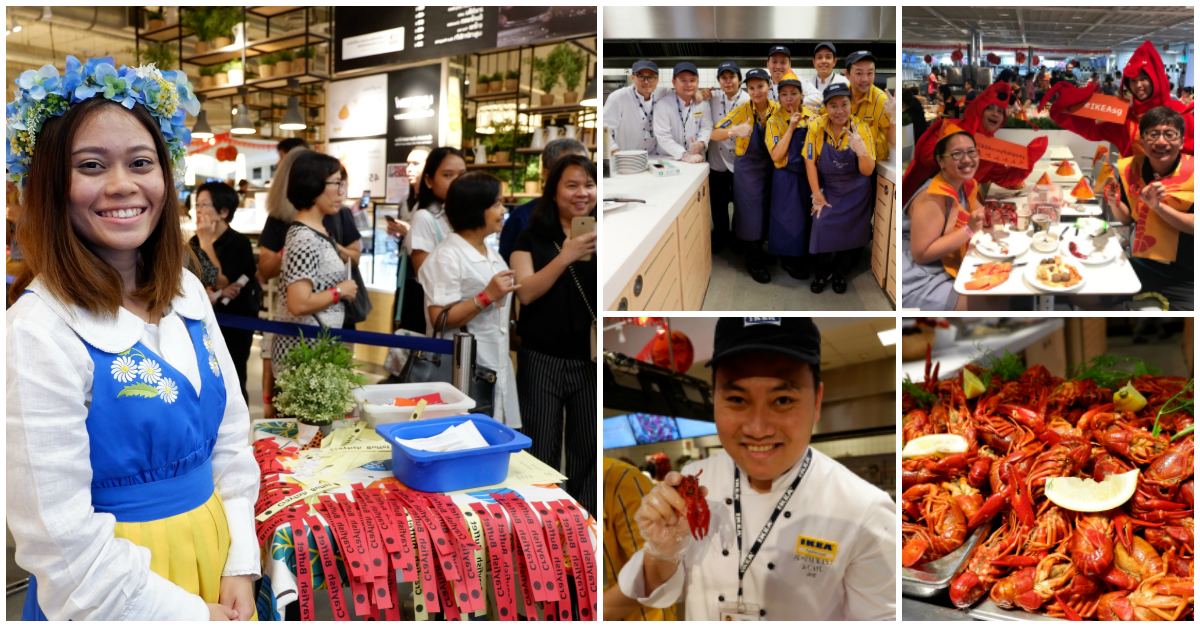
column 820, row 549
column 749, row 322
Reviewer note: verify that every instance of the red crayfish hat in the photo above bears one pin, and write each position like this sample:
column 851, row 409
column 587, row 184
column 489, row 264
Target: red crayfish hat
column 999, row 93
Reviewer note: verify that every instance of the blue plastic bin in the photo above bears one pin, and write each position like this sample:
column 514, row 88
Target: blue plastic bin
column 456, row 470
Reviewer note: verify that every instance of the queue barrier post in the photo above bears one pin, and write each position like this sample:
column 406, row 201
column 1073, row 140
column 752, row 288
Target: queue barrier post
column 464, row 361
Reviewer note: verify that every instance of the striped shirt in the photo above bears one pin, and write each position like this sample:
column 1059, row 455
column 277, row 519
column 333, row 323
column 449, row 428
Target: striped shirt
column 744, row 114
column 777, row 125
column 818, row 130
column 871, row 110
column 624, row 487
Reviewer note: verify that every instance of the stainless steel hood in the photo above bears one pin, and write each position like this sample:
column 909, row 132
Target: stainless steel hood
column 824, row 23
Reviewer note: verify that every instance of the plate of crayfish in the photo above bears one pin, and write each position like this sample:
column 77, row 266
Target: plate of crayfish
column 1134, row 561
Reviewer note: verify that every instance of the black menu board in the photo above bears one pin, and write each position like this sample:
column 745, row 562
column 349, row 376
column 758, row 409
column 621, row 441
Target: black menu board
column 372, row 36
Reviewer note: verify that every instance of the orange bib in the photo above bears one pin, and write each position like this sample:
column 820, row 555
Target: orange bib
column 1154, row 238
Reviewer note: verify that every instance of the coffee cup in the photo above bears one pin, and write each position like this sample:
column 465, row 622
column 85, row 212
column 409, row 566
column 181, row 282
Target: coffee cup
column 1023, row 215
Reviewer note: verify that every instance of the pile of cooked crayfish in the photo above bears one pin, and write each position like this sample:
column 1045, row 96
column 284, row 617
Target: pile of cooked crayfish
column 1133, row 562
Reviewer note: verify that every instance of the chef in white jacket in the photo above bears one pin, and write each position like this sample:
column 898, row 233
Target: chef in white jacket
column 721, row 154
column 682, row 123
column 793, row 534
column 824, row 59
column 629, row 111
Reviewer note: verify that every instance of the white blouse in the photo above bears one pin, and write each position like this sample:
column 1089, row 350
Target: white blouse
column 59, row 537
column 429, row 227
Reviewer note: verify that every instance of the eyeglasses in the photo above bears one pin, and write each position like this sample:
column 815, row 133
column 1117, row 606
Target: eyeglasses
column 959, row 155
column 645, row 78
column 1167, row 135
column 341, row 185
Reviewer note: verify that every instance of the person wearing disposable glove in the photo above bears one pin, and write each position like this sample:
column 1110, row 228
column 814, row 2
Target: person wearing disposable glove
column 629, row 111
column 871, row 104
column 790, row 194
column 1146, row 79
column 839, row 153
column 824, row 59
column 722, row 155
column 681, row 123
column 752, row 169
column 793, row 535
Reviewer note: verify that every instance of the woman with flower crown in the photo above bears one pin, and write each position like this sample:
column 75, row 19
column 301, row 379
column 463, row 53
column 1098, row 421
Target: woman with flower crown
column 130, row 484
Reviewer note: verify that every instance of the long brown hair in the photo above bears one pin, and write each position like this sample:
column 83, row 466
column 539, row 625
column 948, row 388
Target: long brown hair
column 54, row 251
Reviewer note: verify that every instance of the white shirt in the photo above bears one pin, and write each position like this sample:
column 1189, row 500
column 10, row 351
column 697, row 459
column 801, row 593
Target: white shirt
column 831, row 505
column 814, row 89
column 629, row 119
column 88, row 572
column 455, row 272
column 678, row 125
column 721, row 154
column 427, row 229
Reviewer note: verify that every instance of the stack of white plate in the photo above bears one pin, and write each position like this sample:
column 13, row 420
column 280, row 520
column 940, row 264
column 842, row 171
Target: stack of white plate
column 631, row 161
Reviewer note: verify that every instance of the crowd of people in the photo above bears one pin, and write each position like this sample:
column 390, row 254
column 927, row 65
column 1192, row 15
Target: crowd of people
column 795, row 157
column 943, row 198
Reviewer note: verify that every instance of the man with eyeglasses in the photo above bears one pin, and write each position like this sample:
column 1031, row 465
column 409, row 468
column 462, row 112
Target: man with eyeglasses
column 824, row 59
column 1154, row 191
column 629, row 111
column 985, row 115
column 1145, row 78
column 682, row 125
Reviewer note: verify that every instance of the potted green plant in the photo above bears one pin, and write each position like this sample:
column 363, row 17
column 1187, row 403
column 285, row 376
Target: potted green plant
column 207, row 73
column 312, row 97
column 283, row 66
column 266, row 64
column 500, row 143
column 315, row 384
column 223, row 21
column 533, row 183
column 496, row 83
column 221, row 77
column 235, row 72
column 198, row 20
column 303, row 56
column 570, row 63
column 512, row 79
column 160, row 53
column 545, row 74
column 154, row 20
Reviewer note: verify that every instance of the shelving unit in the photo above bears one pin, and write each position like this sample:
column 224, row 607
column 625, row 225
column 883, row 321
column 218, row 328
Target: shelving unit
column 264, row 30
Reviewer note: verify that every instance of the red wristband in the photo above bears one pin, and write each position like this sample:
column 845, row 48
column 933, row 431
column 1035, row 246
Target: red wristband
column 484, row 299
column 268, row 399
column 337, row 294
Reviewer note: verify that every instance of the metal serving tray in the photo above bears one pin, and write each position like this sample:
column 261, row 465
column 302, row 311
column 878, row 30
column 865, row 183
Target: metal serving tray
column 990, row 611
column 928, row 579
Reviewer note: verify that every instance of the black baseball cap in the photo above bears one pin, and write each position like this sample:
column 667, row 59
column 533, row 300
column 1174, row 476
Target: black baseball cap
column 686, row 66
column 758, row 73
column 644, row 65
column 729, row 66
column 835, row 90
column 825, row 44
column 797, row 338
column 779, row 50
column 861, row 55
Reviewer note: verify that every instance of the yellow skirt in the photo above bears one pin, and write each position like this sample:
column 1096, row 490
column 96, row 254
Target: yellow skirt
column 189, row 549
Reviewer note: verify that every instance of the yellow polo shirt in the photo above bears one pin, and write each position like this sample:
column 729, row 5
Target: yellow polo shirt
column 624, row 488
column 777, row 125
column 870, row 110
column 744, row 114
column 818, row 130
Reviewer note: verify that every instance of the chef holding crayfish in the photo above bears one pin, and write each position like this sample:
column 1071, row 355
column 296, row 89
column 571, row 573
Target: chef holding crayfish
column 791, row 534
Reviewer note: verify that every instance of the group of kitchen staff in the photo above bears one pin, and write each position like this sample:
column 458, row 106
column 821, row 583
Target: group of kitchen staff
column 796, row 157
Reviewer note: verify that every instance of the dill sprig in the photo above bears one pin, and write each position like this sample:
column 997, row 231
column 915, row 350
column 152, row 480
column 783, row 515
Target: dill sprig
column 918, row 394
column 1104, row 370
column 1187, row 404
column 1008, row 367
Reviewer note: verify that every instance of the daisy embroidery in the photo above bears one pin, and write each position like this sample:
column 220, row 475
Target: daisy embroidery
column 124, row 370
column 208, row 342
column 150, row 371
column 167, row 390
column 212, row 363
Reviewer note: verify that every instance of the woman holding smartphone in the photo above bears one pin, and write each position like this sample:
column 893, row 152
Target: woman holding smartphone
column 556, row 274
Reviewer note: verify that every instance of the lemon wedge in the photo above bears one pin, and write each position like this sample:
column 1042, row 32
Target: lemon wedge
column 1129, row 399
column 972, row 386
column 1085, row 495
column 937, row 444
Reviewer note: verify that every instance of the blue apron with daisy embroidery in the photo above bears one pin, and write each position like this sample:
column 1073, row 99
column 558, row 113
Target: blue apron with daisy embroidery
column 151, row 435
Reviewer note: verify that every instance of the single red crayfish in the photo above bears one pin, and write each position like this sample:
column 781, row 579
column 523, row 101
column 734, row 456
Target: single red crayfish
column 697, row 508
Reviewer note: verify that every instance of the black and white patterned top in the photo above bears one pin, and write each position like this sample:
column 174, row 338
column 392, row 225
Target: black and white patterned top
column 308, row 255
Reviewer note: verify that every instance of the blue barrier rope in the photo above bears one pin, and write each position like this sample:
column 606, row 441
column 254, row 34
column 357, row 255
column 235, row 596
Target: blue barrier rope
column 428, row 344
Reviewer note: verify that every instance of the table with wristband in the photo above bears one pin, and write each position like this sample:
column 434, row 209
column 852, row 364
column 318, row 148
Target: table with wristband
column 507, row 552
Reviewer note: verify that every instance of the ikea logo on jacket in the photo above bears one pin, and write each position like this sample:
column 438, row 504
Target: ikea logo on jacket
column 749, row 322
column 820, row 549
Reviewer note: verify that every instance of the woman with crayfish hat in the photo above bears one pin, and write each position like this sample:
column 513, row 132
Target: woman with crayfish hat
column 1145, row 78
column 131, row 487
column 985, row 114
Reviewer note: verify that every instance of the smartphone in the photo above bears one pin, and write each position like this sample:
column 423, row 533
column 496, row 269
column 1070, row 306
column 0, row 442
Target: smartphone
column 582, row 225
column 366, row 200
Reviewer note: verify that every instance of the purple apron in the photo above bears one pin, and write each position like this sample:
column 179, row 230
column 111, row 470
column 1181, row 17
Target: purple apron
column 752, row 188
column 846, row 224
column 791, row 202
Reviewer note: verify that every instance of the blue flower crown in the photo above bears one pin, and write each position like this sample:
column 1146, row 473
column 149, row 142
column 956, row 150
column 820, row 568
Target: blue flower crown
column 43, row 94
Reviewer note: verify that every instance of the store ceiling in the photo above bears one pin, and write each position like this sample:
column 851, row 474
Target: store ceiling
column 1065, row 27
column 844, row 341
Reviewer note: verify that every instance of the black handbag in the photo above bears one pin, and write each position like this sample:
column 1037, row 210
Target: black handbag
column 357, row 309
column 426, row 367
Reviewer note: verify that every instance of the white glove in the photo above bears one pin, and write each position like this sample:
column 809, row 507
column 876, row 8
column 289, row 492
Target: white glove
column 693, row 159
column 858, row 145
column 889, row 107
column 663, row 522
column 695, row 147
column 741, row 130
column 819, row 203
